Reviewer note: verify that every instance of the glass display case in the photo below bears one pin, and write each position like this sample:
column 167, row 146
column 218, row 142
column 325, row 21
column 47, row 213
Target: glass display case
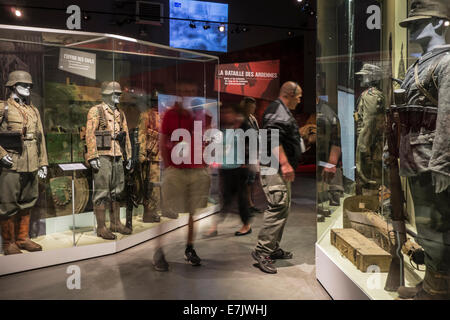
column 382, row 168
column 74, row 76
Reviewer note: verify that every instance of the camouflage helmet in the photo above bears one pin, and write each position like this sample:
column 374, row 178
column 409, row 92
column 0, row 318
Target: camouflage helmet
column 371, row 70
column 18, row 77
column 111, row 87
column 427, row 9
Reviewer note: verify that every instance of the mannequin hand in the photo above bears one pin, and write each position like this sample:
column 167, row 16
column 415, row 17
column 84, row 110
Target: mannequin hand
column 95, row 164
column 42, row 172
column 6, row 161
column 129, row 165
column 440, row 182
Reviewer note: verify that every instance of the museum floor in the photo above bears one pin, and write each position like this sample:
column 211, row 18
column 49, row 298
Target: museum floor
column 227, row 270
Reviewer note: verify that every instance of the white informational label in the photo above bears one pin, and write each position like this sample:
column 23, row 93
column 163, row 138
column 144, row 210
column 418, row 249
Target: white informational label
column 326, row 165
column 362, row 205
column 72, row 166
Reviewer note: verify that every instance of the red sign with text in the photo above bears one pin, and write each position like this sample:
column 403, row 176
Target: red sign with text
column 254, row 79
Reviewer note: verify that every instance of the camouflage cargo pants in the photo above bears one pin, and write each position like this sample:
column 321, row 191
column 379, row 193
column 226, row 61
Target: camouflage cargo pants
column 19, row 191
column 109, row 181
column 432, row 213
column 151, row 177
column 278, row 194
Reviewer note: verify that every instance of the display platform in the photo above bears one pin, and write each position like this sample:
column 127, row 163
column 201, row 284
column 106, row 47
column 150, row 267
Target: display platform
column 342, row 280
column 58, row 248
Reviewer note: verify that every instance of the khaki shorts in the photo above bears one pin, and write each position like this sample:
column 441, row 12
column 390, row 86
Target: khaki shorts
column 185, row 190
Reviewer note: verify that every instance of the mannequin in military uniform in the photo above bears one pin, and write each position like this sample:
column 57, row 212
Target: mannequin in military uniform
column 425, row 144
column 149, row 128
column 369, row 118
column 21, row 164
column 108, row 145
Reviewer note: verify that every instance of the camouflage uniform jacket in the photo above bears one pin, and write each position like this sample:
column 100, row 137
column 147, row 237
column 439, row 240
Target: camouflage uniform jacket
column 113, row 119
column 149, row 128
column 25, row 119
column 428, row 150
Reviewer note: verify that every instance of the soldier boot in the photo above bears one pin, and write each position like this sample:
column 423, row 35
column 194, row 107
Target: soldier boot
column 150, row 215
column 116, row 225
column 435, row 286
column 409, row 292
column 23, row 240
column 9, row 237
column 129, row 217
column 102, row 231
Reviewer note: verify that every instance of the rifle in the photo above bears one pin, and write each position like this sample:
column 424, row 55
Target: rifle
column 133, row 182
column 396, row 277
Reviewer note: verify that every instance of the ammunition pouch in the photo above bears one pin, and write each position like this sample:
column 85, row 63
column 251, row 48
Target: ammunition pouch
column 103, row 139
column 414, row 118
column 12, row 141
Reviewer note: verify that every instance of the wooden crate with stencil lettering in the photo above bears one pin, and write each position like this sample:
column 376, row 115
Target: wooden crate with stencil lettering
column 361, row 251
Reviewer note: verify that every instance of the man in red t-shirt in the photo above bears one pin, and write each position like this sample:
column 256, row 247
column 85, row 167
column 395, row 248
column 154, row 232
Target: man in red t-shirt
column 185, row 179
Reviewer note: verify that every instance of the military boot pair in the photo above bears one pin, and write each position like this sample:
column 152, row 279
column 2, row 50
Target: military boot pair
column 114, row 217
column 150, row 215
column 15, row 235
column 100, row 215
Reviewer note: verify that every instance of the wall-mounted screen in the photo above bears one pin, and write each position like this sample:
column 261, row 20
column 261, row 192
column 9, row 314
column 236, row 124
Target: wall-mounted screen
column 195, row 35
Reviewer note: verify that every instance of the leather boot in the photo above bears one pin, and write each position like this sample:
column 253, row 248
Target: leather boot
column 129, row 217
column 115, row 223
column 22, row 236
column 102, row 231
column 9, row 237
column 150, row 215
column 409, row 292
column 435, row 286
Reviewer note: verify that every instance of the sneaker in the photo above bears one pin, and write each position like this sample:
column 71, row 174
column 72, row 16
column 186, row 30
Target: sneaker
column 281, row 254
column 265, row 263
column 159, row 261
column 191, row 256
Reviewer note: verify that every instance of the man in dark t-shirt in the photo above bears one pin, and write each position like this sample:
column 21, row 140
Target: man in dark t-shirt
column 277, row 185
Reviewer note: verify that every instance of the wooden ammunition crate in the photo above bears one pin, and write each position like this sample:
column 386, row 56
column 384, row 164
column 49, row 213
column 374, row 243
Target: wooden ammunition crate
column 361, row 251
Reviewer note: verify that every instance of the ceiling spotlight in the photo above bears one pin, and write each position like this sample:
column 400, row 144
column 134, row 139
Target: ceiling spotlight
column 447, row 23
column 244, row 29
column 300, row 1
column 222, row 28
column 17, row 12
column 206, row 27
column 290, row 33
column 192, row 25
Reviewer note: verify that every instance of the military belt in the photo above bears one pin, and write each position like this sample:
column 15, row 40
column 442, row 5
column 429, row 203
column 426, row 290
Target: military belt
column 414, row 117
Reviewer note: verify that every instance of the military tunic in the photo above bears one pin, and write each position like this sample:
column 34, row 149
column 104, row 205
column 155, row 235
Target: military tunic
column 369, row 149
column 109, row 181
column 19, row 184
column 149, row 157
column 425, row 149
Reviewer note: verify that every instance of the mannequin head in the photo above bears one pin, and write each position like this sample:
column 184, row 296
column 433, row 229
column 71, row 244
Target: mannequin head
column 371, row 76
column 428, row 23
column 111, row 93
column 20, row 83
column 428, row 33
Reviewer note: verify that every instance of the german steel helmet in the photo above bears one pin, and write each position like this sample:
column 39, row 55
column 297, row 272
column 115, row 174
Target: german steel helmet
column 18, row 77
column 426, row 9
column 372, row 70
column 111, row 87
